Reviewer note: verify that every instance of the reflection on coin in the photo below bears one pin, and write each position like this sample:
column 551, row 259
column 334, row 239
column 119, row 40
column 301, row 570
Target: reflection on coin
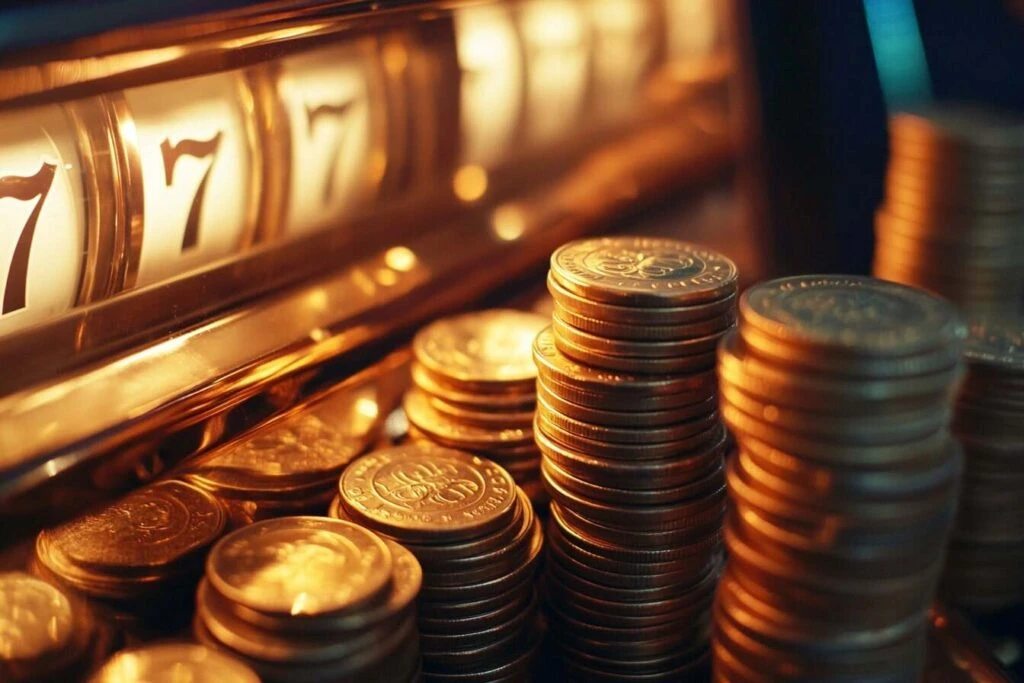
column 485, row 348
column 427, row 419
column 173, row 663
column 642, row 270
column 151, row 528
column 421, row 488
column 996, row 343
column 301, row 566
column 852, row 313
column 35, row 618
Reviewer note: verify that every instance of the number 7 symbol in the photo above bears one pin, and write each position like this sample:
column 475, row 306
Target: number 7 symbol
column 312, row 115
column 24, row 188
column 192, row 148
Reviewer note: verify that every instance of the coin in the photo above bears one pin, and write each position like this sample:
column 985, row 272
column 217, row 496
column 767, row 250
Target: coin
column 643, row 366
column 434, row 386
column 644, row 332
column 961, row 126
column 487, row 348
column 518, row 419
column 36, row 619
column 680, row 346
column 301, row 566
column 849, row 313
column 421, row 490
column 614, row 418
column 643, row 271
column 155, row 528
column 674, row 432
column 569, row 302
column 562, row 371
column 428, row 420
column 612, row 399
column 172, row 663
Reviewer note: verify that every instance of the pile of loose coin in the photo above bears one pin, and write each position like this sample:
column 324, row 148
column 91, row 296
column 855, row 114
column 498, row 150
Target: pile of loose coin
column 953, row 214
column 478, row 540
column 291, row 466
column 473, row 389
column 844, row 487
column 186, row 662
column 632, row 454
column 133, row 558
column 986, row 556
column 310, row 600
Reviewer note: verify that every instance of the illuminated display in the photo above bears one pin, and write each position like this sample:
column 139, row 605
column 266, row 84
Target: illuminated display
column 332, row 127
column 196, row 156
column 491, row 95
column 556, row 43
column 42, row 223
column 624, row 50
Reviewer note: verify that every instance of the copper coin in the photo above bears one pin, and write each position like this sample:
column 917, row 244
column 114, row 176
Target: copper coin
column 637, row 435
column 634, row 364
column 456, row 636
column 636, row 315
column 482, row 418
column 472, row 399
column 301, row 565
column 480, row 621
column 643, row 271
column 561, row 371
column 618, row 495
column 687, row 346
column 607, row 329
column 709, row 530
column 490, row 349
column 194, row 663
column 39, row 619
column 622, row 451
column 427, row 419
column 420, row 491
column 500, row 564
column 613, row 418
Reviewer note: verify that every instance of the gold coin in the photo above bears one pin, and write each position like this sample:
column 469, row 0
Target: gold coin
column 968, row 127
column 301, row 566
column 643, row 271
column 630, row 348
column 424, row 417
column 644, row 366
column 504, row 401
column 303, row 450
column 851, row 314
column 173, row 663
column 151, row 529
column 513, row 419
column 490, row 349
column 36, row 619
column 420, row 490
column 644, row 332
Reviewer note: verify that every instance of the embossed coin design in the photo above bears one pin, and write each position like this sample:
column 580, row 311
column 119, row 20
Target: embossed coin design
column 35, row 617
column 301, row 566
column 173, row 663
column 151, row 528
column 642, row 271
column 850, row 313
column 484, row 348
column 423, row 488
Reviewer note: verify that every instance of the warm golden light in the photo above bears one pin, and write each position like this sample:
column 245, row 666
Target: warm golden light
column 470, row 183
column 402, row 259
column 395, row 57
column 508, row 222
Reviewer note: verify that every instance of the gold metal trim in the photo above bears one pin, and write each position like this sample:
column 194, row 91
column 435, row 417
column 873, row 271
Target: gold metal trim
column 248, row 99
column 129, row 192
column 271, row 122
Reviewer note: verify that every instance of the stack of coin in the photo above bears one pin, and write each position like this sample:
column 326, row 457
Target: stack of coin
column 45, row 633
column 135, row 556
column 844, row 488
column 953, row 217
column 291, row 467
column 633, row 462
column 986, row 556
column 311, row 600
column 184, row 662
column 473, row 389
column 478, row 540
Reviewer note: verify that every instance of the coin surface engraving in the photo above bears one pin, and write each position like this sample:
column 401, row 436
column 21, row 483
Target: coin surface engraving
column 301, row 566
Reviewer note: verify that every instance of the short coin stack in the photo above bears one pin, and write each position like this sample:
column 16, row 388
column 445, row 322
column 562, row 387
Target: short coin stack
column 986, row 555
column 311, row 600
column 844, row 487
column 188, row 662
column 473, row 389
column 953, row 217
column 632, row 454
column 291, row 467
column 136, row 554
column 476, row 536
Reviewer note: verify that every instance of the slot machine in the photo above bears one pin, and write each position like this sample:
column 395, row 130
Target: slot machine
column 223, row 221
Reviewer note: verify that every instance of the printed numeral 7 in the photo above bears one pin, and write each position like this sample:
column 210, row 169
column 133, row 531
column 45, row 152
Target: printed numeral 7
column 24, row 188
column 197, row 149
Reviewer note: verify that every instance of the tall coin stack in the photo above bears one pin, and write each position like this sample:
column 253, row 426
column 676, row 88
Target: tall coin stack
column 312, row 600
column 473, row 389
column 844, row 487
column 632, row 454
column 986, row 556
column 953, row 217
column 478, row 540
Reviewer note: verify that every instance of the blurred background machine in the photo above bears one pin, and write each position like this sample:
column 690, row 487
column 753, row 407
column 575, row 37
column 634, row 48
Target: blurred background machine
column 222, row 222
